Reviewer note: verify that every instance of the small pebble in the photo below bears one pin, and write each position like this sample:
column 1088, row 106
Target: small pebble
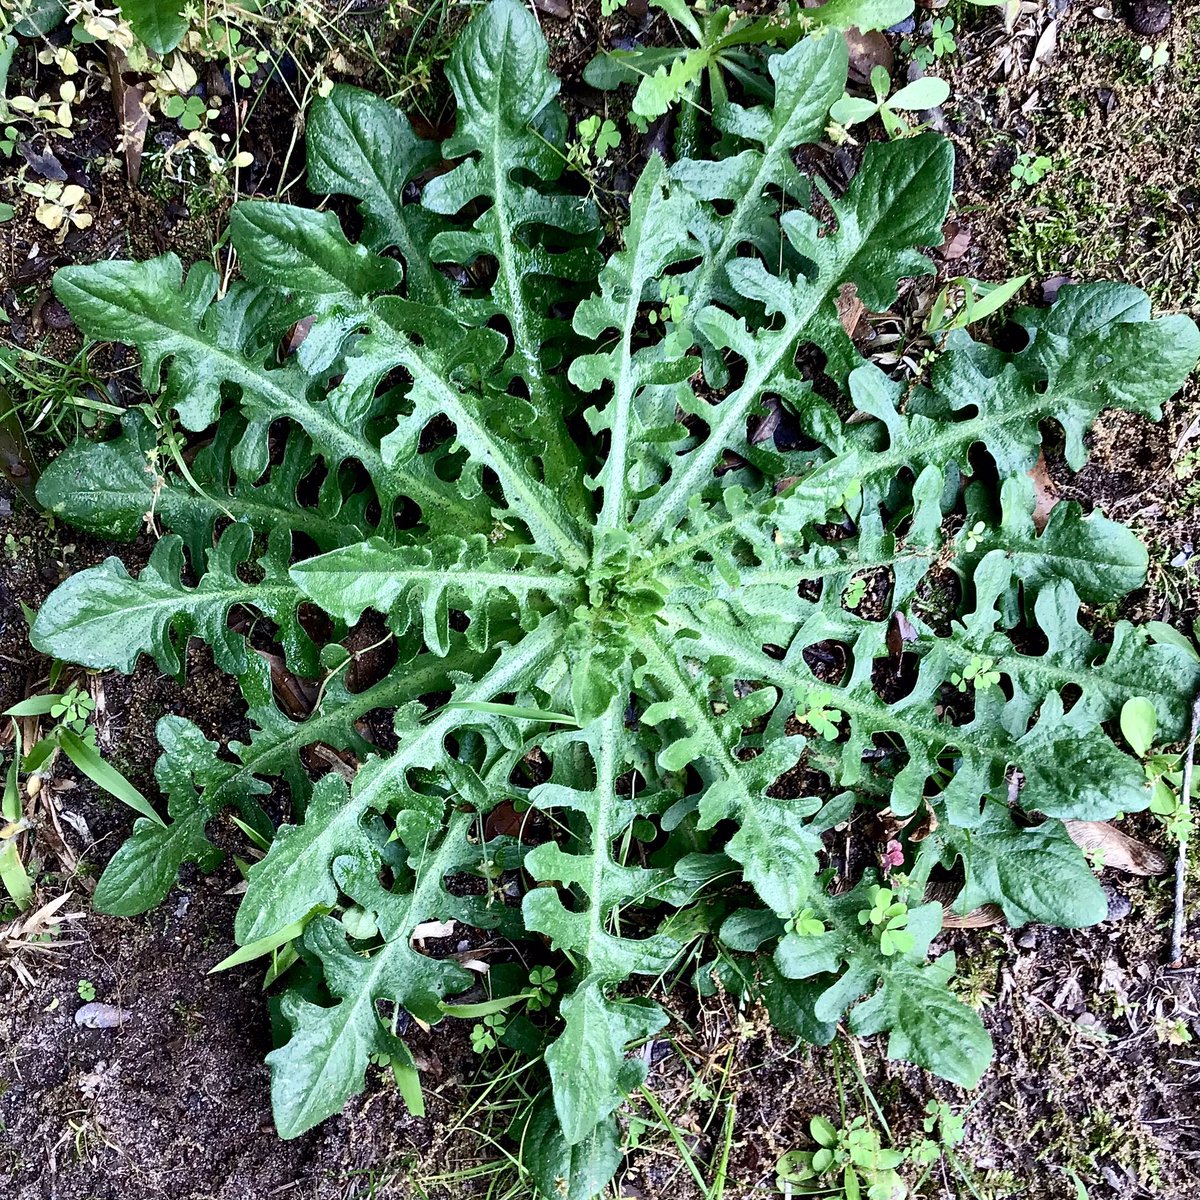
column 1147, row 17
column 1119, row 1184
column 101, row 1016
column 1027, row 939
column 1118, row 907
column 55, row 314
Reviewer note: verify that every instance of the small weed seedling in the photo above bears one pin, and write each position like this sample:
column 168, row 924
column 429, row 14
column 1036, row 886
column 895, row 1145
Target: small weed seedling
column 1029, row 170
column 888, row 917
column 918, row 53
column 594, row 138
column 942, row 35
column 854, row 1160
column 925, row 93
column 72, row 734
column 1164, row 772
column 979, row 673
column 848, row 1162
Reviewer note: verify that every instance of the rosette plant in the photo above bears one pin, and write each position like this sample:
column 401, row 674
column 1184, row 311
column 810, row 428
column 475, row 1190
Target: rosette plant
column 664, row 565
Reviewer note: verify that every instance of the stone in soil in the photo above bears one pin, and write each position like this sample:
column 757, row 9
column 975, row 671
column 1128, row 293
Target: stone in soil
column 1148, row 17
column 1118, row 906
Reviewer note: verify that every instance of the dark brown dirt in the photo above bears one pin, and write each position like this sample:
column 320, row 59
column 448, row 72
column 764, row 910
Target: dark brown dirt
column 175, row 1102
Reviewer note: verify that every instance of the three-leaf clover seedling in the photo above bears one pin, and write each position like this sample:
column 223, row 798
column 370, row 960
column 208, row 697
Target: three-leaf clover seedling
column 980, row 673
column 1029, row 170
column 888, row 918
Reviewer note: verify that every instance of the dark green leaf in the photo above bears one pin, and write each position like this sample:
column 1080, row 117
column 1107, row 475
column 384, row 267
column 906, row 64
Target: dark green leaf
column 159, row 24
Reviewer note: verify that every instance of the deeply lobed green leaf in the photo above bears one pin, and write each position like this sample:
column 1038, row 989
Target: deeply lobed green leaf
column 636, row 577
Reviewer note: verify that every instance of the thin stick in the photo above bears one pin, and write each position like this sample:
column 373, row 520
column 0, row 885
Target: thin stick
column 1185, row 800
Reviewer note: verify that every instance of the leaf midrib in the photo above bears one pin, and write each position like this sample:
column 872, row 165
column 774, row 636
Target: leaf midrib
column 538, row 509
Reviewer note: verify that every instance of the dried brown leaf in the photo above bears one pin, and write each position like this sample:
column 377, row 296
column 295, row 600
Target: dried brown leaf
column 850, row 308
column 1045, row 494
column 129, row 103
column 1116, row 849
column 957, row 239
column 945, row 892
column 867, row 51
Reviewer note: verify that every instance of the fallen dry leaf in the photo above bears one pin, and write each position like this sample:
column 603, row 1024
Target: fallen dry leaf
column 1045, row 48
column 867, row 51
column 1116, row 849
column 850, row 308
column 505, row 821
column 957, row 239
column 433, row 929
column 900, row 630
column 129, row 103
column 944, row 891
column 1045, row 494
column 294, row 695
column 294, row 338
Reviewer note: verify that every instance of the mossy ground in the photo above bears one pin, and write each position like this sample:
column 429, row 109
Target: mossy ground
column 1088, row 1084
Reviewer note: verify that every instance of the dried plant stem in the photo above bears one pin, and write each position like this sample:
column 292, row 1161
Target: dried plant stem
column 1185, row 799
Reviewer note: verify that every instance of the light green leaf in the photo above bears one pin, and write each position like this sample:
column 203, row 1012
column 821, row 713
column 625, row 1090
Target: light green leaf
column 103, row 618
column 667, row 84
column 35, row 706
column 296, row 875
column 587, row 1061
column 88, row 760
column 325, row 1061
column 1103, row 560
column 420, row 585
column 266, row 945
column 13, row 876
column 647, row 383
column 926, row 92
column 115, row 488
column 232, row 341
column 310, row 250
column 808, row 79
column 510, row 130
column 596, row 1027
column 1139, row 722
column 928, row 1026
column 865, row 15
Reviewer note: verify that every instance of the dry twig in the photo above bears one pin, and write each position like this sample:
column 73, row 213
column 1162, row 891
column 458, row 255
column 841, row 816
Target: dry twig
column 1185, row 800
